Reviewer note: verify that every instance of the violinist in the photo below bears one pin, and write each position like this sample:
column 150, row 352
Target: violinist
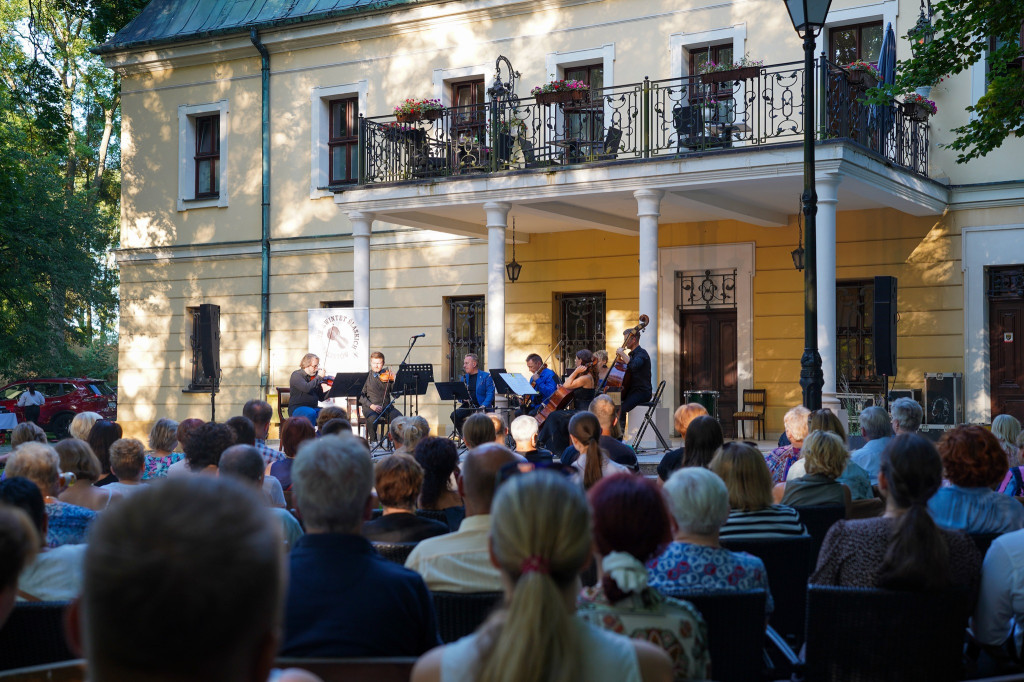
column 583, row 380
column 638, row 364
column 306, row 385
column 376, row 394
column 543, row 380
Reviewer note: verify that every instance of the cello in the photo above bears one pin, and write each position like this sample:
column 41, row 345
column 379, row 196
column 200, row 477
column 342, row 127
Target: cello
column 618, row 374
column 558, row 400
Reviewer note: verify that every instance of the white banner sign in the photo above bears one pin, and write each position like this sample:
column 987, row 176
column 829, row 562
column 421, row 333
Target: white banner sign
column 339, row 337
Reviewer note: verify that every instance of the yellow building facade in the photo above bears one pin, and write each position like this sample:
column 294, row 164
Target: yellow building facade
column 631, row 228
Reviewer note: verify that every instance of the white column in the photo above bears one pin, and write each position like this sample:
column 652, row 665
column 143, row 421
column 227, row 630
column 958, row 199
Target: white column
column 497, row 222
column 362, row 224
column 648, row 210
column 827, row 187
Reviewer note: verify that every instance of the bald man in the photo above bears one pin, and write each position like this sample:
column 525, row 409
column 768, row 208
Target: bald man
column 460, row 561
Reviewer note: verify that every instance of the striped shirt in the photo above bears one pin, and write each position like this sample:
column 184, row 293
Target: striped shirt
column 771, row 522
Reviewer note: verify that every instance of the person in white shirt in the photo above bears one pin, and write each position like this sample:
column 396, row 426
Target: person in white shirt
column 31, row 400
column 460, row 561
column 127, row 461
column 999, row 614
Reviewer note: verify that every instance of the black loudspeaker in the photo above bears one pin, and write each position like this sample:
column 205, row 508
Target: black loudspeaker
column 209, row 339
column 884, row 326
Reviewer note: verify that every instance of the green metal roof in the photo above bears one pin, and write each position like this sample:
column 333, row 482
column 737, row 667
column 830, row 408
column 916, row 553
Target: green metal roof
column 170, row 21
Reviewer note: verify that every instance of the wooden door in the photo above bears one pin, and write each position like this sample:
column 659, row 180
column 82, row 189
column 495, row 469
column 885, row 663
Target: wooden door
column 709, row 359
column 1006, row 357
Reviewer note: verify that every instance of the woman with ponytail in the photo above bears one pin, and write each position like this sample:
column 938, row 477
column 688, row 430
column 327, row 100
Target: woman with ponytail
column 904, row 549
column 593, row 462
column 535, row 636
column 622, row 601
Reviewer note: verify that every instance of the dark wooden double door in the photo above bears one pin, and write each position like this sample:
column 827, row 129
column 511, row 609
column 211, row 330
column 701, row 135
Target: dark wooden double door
column 709, row 359
column 1006, row 356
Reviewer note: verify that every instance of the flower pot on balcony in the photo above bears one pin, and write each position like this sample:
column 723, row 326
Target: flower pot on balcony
column 562, row 97
column 731, row 75
column 916, row 112
column 861, row 79
column 417, row 116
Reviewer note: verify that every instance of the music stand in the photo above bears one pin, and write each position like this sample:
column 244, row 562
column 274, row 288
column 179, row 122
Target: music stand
column 413, row 380
column 348, row 385
column 455, row 391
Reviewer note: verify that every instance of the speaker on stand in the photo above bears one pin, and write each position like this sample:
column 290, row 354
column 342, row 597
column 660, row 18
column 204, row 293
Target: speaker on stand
column 209, row 349
column 883, row 331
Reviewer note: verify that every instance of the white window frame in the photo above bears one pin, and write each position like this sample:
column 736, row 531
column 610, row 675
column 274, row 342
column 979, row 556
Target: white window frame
column 555, row 64
column 681, row 44
column 187, row 114
column 320, row 99
column 886, row 11
column 444, row 78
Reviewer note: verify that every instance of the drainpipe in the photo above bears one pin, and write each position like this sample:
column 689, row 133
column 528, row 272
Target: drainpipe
column 265, row 217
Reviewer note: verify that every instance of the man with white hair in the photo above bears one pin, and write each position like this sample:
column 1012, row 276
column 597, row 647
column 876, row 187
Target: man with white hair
column 344, row 599
column 694, row 561
column 876, row 429
column 524, row 431
column 907, row 415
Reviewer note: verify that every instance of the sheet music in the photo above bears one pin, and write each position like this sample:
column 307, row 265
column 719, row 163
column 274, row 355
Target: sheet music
column 519, row 384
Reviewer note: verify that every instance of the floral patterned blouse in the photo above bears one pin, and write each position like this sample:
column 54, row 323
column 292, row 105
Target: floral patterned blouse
column 156, row 467
column 779, row 460
column 67, row 523
column 674, row 625
column 685, row 567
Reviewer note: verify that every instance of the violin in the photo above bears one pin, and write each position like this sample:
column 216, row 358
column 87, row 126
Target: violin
column 618, row 373
column 386, row 376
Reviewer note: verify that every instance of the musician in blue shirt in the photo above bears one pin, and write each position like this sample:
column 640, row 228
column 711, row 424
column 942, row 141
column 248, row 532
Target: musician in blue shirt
column 543, row 380
column 481, row 391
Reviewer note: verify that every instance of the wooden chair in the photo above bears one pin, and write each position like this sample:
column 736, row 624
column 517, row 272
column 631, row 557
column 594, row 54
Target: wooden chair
column 754, row 404
column 459, row 614
column 34, row 635
column 283, row 396
column 398, row 669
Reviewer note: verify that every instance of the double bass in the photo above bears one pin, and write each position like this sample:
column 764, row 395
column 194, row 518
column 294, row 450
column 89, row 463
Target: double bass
column 618, row 374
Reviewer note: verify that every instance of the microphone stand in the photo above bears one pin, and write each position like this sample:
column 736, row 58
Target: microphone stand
column 412, row 342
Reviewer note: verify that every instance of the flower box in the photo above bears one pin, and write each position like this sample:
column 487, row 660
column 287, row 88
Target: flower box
column 416, row 116
column 730, row 75
column 916, row 112
column 562, row 97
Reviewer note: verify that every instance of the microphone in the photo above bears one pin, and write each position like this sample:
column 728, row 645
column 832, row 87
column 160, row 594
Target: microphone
column 418, row 336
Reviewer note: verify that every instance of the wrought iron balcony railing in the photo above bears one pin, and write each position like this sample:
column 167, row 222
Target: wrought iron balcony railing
column 744, row 109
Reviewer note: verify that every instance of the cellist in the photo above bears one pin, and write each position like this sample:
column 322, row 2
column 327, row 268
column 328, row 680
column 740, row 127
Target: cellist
column 638, row 366
column 583, row 380
column 543, row 380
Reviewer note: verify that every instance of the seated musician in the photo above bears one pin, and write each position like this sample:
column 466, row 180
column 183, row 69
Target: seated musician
column 307, row 385
column 602, row 365
column 376, row 394
column 583, row 380
column 481, row 391
column 543, row 380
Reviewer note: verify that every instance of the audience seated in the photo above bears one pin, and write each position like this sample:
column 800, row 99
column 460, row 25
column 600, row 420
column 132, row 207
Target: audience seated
column 781, row 458
column 162, row 439
column 607, row 415
column 245, row 434
column 54, row 573
column 183, row 582
column 825, row 457
column 27, row 432
column 974, row 464
column 19, row 543
column 327, row 413
column 67, row 524
column 127, row 461
column 751, row 512
column 876, row 428
column 76, row 457
column 1000, row 610
column 500, row 427
column 694, row 561
column 904, row 549
column 101, row 437
column 478, row 429
column 344, row 599
column 203, row 449
column 440, row 462
column 397, row 480
column 593, row 462
column 907, row 415
column 294, row 432
column 245, row 463
column 460, row 561
column 259, row 412
column 524, row 432
column 673, row 459
column 82, row 424
column 854, row 476
column 185, row 430
column 1006, row 429
column 336, row 427
column 407, row 432
column 536, row 637
column 703, row 438
column 622, row 601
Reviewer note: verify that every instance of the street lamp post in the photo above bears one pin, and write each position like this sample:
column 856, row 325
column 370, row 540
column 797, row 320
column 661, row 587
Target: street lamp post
column 808, row 19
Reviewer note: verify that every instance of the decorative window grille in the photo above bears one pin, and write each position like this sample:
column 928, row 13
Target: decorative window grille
column 707, row 290
column 466, row 331
column 581, row 324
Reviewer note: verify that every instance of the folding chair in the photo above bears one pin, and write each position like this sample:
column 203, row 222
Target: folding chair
column 649, row 421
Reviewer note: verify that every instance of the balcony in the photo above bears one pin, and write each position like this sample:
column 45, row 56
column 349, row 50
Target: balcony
column 745, row 110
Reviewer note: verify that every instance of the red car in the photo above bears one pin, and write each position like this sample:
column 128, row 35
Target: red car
column 64, row 399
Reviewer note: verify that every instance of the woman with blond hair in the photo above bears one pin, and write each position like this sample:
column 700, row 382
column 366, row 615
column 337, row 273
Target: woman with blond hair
column 1006, row 428
column 536, row 636
column 854, row 476
column 77, row 457
column 826, row 457
column 162, row 439
column 751, row 512
column 82, row 424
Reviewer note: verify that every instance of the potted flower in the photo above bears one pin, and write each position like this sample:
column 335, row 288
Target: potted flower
column 861, row 74
column 412, row 110
column 396, row 132
column 726, row 72
column 918, row 108
column 561, row 92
